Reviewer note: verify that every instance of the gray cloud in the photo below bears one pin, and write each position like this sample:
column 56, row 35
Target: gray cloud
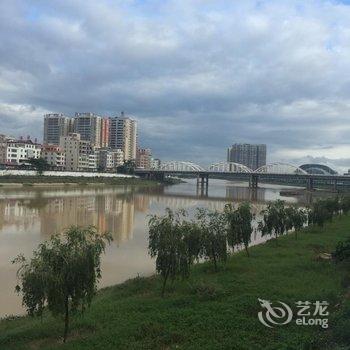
column 198, row 75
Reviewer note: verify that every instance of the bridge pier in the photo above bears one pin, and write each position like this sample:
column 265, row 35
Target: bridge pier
column 253, row 194
column 335, row 186
column 253, row 181
column 310, row 184
column 203, row 183
column 159, row 177
column 155, row 176
column 202, row 191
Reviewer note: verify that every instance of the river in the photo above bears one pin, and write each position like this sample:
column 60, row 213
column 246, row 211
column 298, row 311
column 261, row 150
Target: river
column 30, row 215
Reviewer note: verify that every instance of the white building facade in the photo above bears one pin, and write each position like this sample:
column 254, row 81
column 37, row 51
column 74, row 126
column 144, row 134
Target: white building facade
column 18, row 152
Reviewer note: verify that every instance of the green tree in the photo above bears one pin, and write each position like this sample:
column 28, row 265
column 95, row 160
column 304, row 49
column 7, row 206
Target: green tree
column 342, row 251
column 345, row 205
column 63, row 273
column 127, row 168
column 166, row 243
column 319, row 213
column 239, row 225
column 333, row 207
column 40, row 164
column 274, row 219
column 212, row 225
column 295, row 219
column 192, row 241
column 101, row 169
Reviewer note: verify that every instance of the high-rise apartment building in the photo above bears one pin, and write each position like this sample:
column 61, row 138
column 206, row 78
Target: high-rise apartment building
column 89, row 126
column 55, row 126
column 105, row 132
column 123, row 135
column 252, row 156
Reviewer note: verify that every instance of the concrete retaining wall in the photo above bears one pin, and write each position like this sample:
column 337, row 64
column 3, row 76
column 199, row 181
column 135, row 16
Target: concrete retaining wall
column 60, row 173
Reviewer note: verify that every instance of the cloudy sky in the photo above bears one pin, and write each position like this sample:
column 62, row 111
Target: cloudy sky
column 198, row 75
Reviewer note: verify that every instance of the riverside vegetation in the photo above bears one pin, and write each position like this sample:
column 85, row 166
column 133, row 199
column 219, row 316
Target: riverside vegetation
column 220, row 295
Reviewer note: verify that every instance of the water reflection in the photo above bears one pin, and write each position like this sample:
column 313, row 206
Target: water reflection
column 29, row 215
column 108, row 211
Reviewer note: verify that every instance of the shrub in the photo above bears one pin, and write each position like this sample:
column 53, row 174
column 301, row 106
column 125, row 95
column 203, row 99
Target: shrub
column 342, row 251
column 206, row 291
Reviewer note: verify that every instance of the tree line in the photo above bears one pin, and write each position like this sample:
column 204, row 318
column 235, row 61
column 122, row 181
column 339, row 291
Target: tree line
column 63, row 273
column 176, row 241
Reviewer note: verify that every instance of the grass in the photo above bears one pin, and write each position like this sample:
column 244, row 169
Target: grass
column 211, row 310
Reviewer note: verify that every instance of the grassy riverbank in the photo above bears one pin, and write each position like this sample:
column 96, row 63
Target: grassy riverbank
column 27, row 181
column 211, row 310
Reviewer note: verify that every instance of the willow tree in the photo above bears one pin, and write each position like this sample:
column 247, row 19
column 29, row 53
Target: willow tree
column 63, row 273
column 295, row 219
column 212, row 225
column 319, row 213
column 170, row 245
column 239, row 225
column 345, row 204
column 333, row 207
column 192, row 238
column 274, row 219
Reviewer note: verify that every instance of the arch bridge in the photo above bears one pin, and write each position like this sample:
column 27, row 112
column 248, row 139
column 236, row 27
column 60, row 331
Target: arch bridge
column 321, row 169
column 277, row 172
column 180, row 166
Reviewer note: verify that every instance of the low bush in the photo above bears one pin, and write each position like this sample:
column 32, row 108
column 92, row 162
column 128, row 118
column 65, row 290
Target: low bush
column 342, row 251
column 206, row 291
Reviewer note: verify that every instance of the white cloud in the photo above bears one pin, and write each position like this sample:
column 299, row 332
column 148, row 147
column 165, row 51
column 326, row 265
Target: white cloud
column 198, row 74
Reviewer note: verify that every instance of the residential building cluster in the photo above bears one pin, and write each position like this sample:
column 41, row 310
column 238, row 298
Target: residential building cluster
column 85, row 142
column 252, row 156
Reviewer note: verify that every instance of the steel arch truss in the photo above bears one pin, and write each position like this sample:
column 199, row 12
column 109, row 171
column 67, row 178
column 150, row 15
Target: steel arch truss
column 280, row 168
column 229, row 167
column 318, row 169
column 180, row 166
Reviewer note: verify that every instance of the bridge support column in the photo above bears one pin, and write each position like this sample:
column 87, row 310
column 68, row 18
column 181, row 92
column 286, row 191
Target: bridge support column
column 153, row 175
column 335, row 186
column 253, row 181
column 254, row 194
column 202, row 184
column 310, row 184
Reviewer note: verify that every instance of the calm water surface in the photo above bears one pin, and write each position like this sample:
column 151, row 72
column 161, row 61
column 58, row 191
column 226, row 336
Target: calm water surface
column 29, row 216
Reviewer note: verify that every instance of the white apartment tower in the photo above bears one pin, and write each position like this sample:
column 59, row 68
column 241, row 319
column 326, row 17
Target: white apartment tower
column 55, row 126
column 123, row 135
